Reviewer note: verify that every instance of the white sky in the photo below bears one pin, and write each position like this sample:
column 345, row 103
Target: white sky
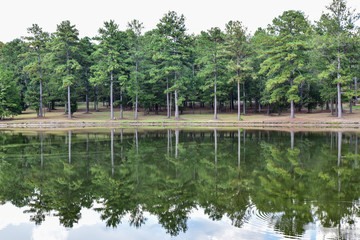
column 88, row 15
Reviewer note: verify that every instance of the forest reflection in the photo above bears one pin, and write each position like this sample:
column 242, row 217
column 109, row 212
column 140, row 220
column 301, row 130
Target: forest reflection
column 292, row 179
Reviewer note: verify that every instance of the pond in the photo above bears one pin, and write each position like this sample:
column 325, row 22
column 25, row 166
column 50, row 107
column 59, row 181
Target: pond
column 179, row 184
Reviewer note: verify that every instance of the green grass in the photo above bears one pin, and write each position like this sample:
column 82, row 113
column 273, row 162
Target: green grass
column 200, row 116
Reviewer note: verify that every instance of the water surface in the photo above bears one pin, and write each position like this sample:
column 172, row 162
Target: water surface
column 179, row 184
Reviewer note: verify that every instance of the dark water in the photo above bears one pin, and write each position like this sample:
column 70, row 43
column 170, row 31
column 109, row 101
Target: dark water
column 181, row 184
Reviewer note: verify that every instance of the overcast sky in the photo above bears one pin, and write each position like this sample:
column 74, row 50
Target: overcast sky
column 88, row 15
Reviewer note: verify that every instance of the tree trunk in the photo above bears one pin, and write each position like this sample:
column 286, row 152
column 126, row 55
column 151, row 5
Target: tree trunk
column 176, row 106
column 332, row 105
column 339, row 108
column 292, row 110
column 259, row 107
column 87, row 93
column 121, row 105
column 292, row 115
column 40, row 75
column 339, row 88
column 355, row 86
column 41, row 100
column 69, row 103
column 68, row 87
column 215, row 101
column 87, row 102
column 136, row 96
column 244, row 102
column 168, row 113
column 111, row 95
column 238, row 99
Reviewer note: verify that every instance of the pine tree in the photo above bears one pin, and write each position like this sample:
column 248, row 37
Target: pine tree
column 64, row 46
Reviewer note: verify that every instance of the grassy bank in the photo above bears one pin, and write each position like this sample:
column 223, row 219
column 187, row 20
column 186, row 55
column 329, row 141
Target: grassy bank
column 200, row 117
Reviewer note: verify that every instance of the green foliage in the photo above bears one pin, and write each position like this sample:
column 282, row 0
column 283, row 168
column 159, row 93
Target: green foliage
column 285, row 58
column 10, row 101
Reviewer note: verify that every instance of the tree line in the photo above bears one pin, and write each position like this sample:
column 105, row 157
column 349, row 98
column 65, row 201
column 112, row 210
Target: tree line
column 292, row 64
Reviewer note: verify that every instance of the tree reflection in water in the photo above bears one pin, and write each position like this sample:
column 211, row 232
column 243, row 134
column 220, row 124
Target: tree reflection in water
column 134, row 171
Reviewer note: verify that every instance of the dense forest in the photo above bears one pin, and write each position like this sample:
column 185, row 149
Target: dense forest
column 293, row 64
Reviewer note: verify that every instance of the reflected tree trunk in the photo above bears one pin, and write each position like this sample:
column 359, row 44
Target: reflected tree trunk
column 339, row 159
column 112, row 152
column 41, row 150
column 239, row 147
column 356, row 149
column 292, row 139
column 87, row 155
column 69, row 146
column 244, row 134
column 136, row 141
column 176, row 142
column 215, row 153
column 168, row 143
column 215, row 142
column 121, row 141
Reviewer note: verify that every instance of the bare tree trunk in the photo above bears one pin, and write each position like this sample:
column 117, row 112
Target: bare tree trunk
column 40, row 76
column 137, row 94
column 170, row 102
column 238, row 99
column 167, row 99
column 69, row 103
column 176, row 106
column 292, row 139
column 121, row 105
column 356, row 95
column 87, row 101
column 259, row 107
column 244, row 102
column 111, row 95
column 68, row 87
column 339, row 88
column 87, row 92
column 292, row 108
column 215, row 100
column 41, row 100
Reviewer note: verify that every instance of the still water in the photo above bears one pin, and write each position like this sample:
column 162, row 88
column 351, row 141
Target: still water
column 179, row 184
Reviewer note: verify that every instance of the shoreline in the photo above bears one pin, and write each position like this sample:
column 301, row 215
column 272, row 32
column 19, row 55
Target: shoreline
column 127, row 123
